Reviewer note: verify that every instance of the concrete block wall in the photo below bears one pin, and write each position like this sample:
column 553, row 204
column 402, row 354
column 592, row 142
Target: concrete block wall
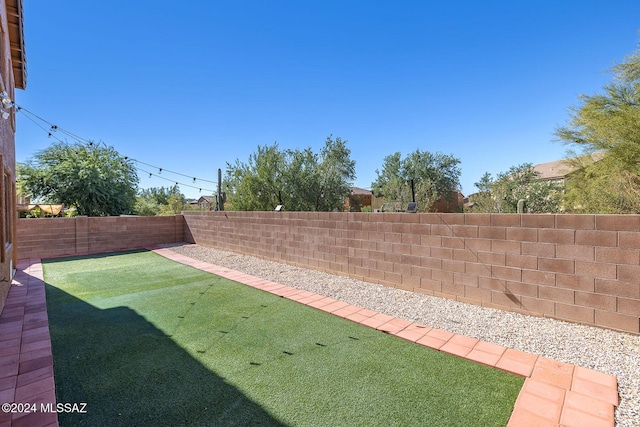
column 580, row 268
column 54, row 237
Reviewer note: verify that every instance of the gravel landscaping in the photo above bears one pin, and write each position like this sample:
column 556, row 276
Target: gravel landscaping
column 603, row 350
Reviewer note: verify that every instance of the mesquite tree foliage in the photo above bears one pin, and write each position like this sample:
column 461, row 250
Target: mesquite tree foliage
column 92, row 177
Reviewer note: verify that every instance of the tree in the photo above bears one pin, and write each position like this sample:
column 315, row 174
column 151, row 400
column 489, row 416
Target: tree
column 175, row 205
column 92, row 177
column 335, row 174
column 484, row 200
column 434, row 175
column 159, row 201
column 300, row 180
column 606, row 129
column 518, row 183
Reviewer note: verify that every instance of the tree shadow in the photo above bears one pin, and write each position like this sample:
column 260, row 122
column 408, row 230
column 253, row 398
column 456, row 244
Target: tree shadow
column 128, row 372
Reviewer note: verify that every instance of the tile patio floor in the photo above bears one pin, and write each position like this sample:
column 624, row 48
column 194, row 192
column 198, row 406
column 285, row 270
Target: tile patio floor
column 554, row 393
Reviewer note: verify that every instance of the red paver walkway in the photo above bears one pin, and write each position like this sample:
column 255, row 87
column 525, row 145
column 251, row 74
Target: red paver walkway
column 554, row 393
column 26, row 364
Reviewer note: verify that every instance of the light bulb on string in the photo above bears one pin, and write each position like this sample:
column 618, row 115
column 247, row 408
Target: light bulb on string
column 7, row 102
column 51, row 128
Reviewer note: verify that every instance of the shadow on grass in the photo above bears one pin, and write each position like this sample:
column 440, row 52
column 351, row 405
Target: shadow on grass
column 141, row 378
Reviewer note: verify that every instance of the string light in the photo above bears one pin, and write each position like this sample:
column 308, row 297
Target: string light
column 7, row 103
column 181, row 184
column 172, row 172
column 53, row 128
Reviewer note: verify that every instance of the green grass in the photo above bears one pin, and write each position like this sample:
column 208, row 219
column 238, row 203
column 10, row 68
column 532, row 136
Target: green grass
column 147, row 341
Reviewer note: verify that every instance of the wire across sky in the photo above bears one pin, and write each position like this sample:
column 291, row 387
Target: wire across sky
column 53, row 130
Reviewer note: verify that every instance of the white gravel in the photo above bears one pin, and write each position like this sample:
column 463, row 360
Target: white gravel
column 611, row 352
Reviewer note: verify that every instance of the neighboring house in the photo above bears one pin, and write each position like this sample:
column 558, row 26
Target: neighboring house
column 554, row 172
column 43, row 209
column 453, row 203
column 13, row 75
column 207, row 202
column 558, row 171
column 358, row 199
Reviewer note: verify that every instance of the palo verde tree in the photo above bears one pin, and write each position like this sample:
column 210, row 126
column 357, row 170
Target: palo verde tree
column 434, row 175
column 299, row 180
column 603, row 134
column 92, row 177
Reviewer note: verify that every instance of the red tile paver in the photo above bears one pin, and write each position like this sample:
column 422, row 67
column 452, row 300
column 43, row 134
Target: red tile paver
column 26, row 364
column 597, row 391
column 347, row 311
column 358, row 316
column 309, row 299
column 553, row 372
column 517, row 362
column 413, row 332
column 394, row 325
column 588, row 405
column 322, row 302
column 331, row 307
column 486, row 353
column 435, row 339
column 459, row 345
column 376, row 320
column 544, row 408
column 521, row 417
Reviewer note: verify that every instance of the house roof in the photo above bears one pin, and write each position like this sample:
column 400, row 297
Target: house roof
column 16, row 39
column 209, row 199
column 356, row 191
column 553, row 170
column 560, row 168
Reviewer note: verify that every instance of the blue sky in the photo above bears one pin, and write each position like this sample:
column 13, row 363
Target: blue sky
column 190, row 86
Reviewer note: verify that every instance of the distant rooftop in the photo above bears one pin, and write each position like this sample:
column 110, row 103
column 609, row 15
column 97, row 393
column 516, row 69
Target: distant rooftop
column 559, row 169
column 359, row 191
column 553, row 170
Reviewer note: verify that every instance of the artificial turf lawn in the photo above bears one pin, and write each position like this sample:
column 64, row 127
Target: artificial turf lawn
column 147, row 341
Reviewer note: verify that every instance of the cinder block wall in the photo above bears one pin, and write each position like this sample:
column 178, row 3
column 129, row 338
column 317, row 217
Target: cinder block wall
column 54, row 237
column 580, row 268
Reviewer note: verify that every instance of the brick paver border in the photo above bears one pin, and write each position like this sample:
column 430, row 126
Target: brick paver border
column 26, row 363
